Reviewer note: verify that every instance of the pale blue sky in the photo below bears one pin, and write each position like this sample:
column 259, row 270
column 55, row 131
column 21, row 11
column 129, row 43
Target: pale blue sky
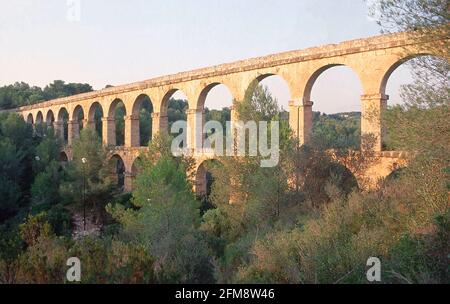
column 118, row 41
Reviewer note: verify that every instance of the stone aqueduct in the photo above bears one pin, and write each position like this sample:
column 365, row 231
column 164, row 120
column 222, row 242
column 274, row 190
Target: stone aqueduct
column 373, row 59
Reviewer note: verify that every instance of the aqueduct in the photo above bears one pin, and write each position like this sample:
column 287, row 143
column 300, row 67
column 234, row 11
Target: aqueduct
column 373, row 60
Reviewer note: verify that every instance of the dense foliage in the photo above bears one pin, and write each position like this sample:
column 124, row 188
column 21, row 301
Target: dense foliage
column 22, row 94
column 338, row 131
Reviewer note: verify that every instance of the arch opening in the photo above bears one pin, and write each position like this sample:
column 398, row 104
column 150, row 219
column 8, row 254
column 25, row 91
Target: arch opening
column 117, row 111
column 173, row 108
column 204, row 182
column 63, row 119
column 335, row 91
column 95, row 117
column 270, row 95
column 118, row 171
column 216, row 102
column 143, row 109
column 39, row 118
column 50, row 119
column 418, row 82
column 175, row 105
column 78, row 117
column 215, row 96
column 30, row 119
column 39, row 124
column 136, row 167
column 405, row 68
column 63, row 159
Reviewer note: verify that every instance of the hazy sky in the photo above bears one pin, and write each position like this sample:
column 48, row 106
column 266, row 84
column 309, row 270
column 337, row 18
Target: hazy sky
column 116, row 41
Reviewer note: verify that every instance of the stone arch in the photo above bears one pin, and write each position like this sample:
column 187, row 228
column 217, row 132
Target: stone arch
column 258, row 79
column 113, row 106
column 30, row 118
column 141, row 125
column 63, row 158
column 136, row 166
column 116, row 127
column 387, row 73
column 201, row 117
column 39, row 118
column 138, row 103
column 39, row 123
column 94, row 119
column 166, row 99
column 63, row 119
column 393, row 66
column 50, row 118
column 78, row 115
column 118, row 170
column 75, row 124
column 134, row 170
column 165, row 120
column 202, row 182
column 204, row 93
column 92, row 109
column 201, row 101
column 315, row 75
column 63, row 114
column 280, row 81
column 303, row 111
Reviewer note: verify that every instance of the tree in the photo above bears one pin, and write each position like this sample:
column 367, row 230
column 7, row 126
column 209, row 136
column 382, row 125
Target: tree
column 221, row 116
column 337, row 131
column 119, row 116
column 422, row 123
column 248, row 200
column 59, row 89
column 406, row 15
column 43, row 258
column 19, row 94
column 145, row 125
column 45, row 188
column 95, row 176
column 258, row 105
column 165, row 218
column 16, row 150
column 11, row 170
column 22, row 94
column 176, row 111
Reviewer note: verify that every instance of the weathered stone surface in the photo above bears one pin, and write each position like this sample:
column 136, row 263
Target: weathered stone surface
column 373, row 60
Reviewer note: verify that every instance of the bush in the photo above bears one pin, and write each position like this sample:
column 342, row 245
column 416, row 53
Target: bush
column 422, row 258
column 60, row 219
column 111, row 261
column 393, row 224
